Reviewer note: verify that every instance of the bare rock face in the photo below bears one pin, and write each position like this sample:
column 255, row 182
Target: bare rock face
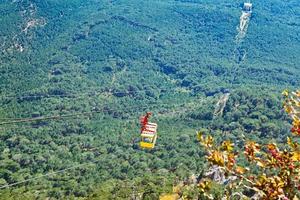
column 216, row 174
column 192, row 179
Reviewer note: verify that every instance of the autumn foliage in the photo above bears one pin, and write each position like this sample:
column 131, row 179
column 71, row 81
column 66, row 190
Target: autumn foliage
column 270, row 172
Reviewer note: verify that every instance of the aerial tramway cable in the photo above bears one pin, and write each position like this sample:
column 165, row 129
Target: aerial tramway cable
column 55, row 172
column 58, row 171
column 92, row 93
column 45, row 175
column 57, row 117
column 22, row 120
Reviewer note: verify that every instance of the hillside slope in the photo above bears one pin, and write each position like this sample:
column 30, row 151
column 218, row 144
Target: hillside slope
column 173, row 57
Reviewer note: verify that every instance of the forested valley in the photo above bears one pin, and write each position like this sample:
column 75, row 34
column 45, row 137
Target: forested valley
column 116, row 60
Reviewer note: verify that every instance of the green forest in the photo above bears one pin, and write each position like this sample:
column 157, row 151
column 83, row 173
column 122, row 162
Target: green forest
column 116, row 60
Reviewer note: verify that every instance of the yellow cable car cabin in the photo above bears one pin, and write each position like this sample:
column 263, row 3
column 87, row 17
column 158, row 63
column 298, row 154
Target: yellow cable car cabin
column 148, row 132
column 148, row 141
column 149, row 136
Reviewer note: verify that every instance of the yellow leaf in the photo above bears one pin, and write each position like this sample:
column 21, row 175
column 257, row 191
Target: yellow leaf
column 169, row 197
column 289, row 141
column 292, row 144
column 209, row 140
column 205, row 185
column 227, row 146
column 205, row 141
column 297, row 93
column 285, row 93
column 288, row 109
column 296, row 156
column 200, row 136
column 260, row 163
column 217, row 158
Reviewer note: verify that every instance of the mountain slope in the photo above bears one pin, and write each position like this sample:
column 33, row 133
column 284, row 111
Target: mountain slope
column 173, row 57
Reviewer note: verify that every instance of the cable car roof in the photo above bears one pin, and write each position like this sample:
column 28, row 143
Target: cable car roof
column 248, row 5
column 148, row 134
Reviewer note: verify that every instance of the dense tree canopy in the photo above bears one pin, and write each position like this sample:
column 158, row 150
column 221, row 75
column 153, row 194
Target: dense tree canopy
column 118, row 59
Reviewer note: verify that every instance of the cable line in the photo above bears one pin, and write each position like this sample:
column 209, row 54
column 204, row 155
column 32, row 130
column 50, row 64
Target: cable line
column 92, row 93
column 45, row 175
column 96, row 110
column 21, row 120
column 62, row 170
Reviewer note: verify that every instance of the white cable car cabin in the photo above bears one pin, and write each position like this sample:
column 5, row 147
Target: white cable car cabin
column 247, row 8
column 149, row 135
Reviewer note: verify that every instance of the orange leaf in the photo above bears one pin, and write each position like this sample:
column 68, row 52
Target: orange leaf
column 240, row 170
